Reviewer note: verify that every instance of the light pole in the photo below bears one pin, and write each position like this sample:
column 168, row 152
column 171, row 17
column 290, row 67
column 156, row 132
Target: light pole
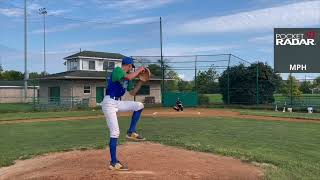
column 0, row 63
column 26, row 77
column 43, row 11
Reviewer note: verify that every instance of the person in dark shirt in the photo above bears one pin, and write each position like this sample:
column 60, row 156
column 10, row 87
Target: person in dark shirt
column 178, row 106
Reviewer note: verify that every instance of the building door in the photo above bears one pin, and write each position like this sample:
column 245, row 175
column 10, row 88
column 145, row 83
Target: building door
column 99, row 94
column 54, row 94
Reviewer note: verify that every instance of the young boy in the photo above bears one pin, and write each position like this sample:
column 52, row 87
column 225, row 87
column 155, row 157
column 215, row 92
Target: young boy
column 119, row 82
column 178, row 106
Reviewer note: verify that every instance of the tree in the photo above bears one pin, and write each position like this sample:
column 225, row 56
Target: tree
column 34, row 75
column 155, row 69
column 306, row 87
column 12, row 75
column 243, row 84
column 291, row 86
column 207, row 81
column 172, row 83
column 185, row 85
column 1, row 69
column 317, row 81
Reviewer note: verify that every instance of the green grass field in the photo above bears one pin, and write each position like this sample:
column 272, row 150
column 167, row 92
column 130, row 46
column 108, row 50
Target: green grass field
column 292, row 150
column 42, row 115
column 306, row 98
column 312, row 99
column 15, row 107
column 313, row 116
column 214, row 98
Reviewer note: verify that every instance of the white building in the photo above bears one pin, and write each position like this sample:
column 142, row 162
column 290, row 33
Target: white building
column 85, row 80
column 93, row 61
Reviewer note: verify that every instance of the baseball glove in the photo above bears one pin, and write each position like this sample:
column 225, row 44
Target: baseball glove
column 145, row 75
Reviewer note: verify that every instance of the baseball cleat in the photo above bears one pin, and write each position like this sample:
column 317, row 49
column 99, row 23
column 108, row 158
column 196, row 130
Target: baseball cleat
column 135, row 137
column 118, row 167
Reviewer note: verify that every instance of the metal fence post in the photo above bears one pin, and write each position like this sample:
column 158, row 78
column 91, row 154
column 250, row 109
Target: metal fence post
column 162, row 66
column 291, row 93
column 257, row 84
column 34, row 97
column 72, row 84
column 195, row 73
column 228, row 90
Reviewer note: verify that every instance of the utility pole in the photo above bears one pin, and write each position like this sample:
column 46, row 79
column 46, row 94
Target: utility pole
column 43, row 11
column 26, row 77
column 1, row 63
column 305, row 78
column 257, row 84
column 291, row 90
column 162, row 65
column 1, row 67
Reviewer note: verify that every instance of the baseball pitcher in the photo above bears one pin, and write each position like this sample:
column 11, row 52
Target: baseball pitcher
column 119, row 82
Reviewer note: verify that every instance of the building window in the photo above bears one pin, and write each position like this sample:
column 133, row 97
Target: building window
column 92, row 65
column 87, row 89
column 144, row 90
column 105, row 65
column 108, row 65
column 111, row 65
column 85, row 65
column 73, row 64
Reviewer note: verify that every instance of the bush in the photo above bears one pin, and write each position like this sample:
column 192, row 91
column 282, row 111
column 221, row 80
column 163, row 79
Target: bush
column 243, row 84
column 203, row 99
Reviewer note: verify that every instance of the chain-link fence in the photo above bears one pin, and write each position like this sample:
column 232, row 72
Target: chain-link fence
column 41, row 96
column 193, row 79
column 215, row 80
column 226, row 79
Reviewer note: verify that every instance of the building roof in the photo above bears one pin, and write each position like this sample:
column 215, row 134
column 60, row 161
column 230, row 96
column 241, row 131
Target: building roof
column 16, row 83
column 96, row 54
column 11, row 83
column 79, row 74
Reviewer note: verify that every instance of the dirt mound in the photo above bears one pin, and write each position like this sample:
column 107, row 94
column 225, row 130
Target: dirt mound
column 145, row 160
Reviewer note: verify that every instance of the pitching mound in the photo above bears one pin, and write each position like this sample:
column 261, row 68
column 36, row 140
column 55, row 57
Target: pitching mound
column 145, row 160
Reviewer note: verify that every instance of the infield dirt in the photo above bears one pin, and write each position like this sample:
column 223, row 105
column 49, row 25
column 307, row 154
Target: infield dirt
column 165, row 112
column 145, row 160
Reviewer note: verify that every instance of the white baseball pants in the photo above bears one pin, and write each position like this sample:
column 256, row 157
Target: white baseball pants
column 110, row 107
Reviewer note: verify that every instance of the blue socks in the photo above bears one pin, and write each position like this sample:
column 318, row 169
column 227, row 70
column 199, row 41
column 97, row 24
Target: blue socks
column 134, row 120
column 113, row 150
column 114, row 141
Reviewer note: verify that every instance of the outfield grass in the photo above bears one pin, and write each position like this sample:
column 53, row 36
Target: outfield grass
column 313, row 99
column 304, row 99
column 291, row 149
column 214, row 98
column 313, row 116
column 43, row 115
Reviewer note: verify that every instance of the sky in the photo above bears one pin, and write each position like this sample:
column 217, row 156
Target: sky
column 131, row 27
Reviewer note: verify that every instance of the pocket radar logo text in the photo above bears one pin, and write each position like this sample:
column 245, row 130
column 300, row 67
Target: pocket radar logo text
column 307, row 39
column 297, row 50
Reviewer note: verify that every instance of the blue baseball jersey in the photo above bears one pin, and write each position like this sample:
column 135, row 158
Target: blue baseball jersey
column 117, row 85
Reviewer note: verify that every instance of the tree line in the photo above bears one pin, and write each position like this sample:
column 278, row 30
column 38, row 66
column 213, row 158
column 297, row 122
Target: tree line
column 11, row 75
column 238, row 84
